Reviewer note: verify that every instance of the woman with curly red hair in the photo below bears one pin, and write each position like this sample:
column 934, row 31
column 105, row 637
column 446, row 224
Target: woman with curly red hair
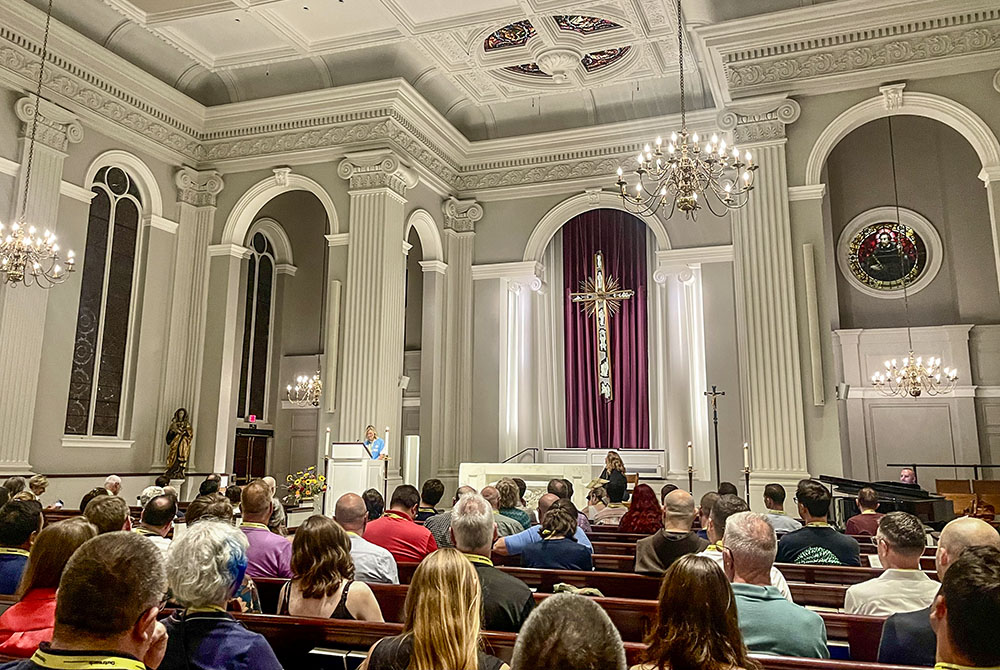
column 644, row 515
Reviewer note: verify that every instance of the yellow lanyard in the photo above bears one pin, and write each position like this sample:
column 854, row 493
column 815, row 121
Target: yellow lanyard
column 714, row 547
column 261, row 526
column 13, row 551
column 818, row 524
column 197, row 610
column 481, row 560
column 955, row 666
column 83, row 662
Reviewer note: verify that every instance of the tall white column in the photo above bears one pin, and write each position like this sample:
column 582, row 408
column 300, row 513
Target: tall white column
column 375, row 290
column 22, row 315
column 768, row 340
column 455, row 445
column 991, row 180
column 196, row 196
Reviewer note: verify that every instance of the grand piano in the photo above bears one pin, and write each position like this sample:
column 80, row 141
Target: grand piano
column 932, row 509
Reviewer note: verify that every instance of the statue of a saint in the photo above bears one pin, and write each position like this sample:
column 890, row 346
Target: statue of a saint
column 179, row 436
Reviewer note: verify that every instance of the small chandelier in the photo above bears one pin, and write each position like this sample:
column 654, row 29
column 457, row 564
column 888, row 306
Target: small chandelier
column 688, row 174
column 27, row 257
column 307, row 391
column 918, row 376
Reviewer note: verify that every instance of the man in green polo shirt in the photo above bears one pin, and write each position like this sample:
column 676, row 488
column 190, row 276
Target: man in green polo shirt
column 106, row 609
column 770, row 623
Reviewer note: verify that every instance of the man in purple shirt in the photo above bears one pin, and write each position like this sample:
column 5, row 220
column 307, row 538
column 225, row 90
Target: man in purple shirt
column 269, row 555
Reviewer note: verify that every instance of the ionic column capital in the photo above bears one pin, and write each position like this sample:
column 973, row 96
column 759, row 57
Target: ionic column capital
column 57, row 127
column 377, row 169
column 760, row 121
column 461, row 216
column 198, row 187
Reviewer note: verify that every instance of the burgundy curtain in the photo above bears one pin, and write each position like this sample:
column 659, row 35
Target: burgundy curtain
column 592, row 421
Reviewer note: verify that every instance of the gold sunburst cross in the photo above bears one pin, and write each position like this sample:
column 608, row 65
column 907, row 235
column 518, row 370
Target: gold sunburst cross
column 601, row 297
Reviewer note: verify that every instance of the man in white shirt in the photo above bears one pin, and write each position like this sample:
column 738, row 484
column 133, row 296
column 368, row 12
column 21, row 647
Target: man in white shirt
column 902, row 587
column 724, row 508
column 372, row 563
column 157, row 520
column 774, row 501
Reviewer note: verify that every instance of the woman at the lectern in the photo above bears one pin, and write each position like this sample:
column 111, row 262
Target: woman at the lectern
column 374, row 443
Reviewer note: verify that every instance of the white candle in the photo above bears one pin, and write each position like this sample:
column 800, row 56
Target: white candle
column 690, row 455
column 326, row 447
column 385, row 449
column 746, row 456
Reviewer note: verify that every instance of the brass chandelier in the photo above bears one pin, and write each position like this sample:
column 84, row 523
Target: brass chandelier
column 26, row 256
column 917, row 376
column 307, row 391
column 688, row 174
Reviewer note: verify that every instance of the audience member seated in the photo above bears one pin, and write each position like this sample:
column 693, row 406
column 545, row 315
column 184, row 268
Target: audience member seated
column 397, row 532
column 902, row 587
column 513, row 545
column 568, row 631
column 90, row 495
column 441, row 622
column 233, row 495
column 666, row 490
column 614, row 474
column 375, row 503
column 558, row 548
column 564, row 489
column 157, row 521
column 510, row 500
column 277, row 522
column 211, row 485
column 655, row 554
column 439, row 524
column 705, row 511
column 774, row 501
column 724, row 508
column 644, row 513
column 106, row 611
column 728, row 489
column 148, row 494
column 4, row 496
column 15, row 485
column 599, row 511
column 113, row 485
column 522, row 504
column 324, row 585
column 505, row 524
column 430, row 495
column 965, row 613
column 817, row 541
column 908, row 639
column 20, row 523
column 507, row 601
column 697, row 625
column 215, row 506
column 30, row 621
column 372, row 563
column 270, row 554
column 162, row 481
column 37, row 486
column 109, row 513
column 866, row 522
column 770, row 623
column 205, row 567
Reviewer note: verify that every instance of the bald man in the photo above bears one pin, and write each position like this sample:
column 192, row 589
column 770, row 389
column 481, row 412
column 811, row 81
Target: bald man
column 908, row 639
column 512, row 545
column 440, row 524
column 654, row 554
column 277, row 521
column 372, row 563
column 505, row 525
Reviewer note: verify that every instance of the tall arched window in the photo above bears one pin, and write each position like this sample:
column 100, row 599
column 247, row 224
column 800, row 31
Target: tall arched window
column 100, row 355
column 257, row 328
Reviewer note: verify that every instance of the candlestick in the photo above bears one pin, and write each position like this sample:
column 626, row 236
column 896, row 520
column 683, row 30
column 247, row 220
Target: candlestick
column 690, row 455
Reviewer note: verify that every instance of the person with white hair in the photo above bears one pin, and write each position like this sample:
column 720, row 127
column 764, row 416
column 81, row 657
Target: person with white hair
column 149, row 493
column 770, row 623
column 507, row 601
column 113, row 485
column 205, row 568
column 568, row 631
column 277, row 521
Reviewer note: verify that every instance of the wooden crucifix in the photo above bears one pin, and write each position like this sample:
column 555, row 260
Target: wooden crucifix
column 601, row 297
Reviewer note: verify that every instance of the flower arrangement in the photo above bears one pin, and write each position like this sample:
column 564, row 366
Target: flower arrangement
column 306, row 483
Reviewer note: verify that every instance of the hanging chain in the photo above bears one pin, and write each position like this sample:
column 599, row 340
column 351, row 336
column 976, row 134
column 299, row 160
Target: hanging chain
column 38, row 111
column 899, row 242
column 680, row 58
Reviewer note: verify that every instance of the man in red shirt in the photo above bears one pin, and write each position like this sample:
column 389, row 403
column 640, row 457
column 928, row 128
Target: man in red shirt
column 865, row 523
column 395, row 531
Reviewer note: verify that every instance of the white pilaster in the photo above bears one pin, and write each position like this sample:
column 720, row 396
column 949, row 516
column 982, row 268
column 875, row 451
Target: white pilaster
column 196, row 196
column 991, row 180
column 375, row 289
column 768, row 341
column 22, row 315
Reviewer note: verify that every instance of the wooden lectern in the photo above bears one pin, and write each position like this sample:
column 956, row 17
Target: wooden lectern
column 350, row 469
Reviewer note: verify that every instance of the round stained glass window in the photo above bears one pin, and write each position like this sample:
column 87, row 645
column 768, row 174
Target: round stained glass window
column 884, row 254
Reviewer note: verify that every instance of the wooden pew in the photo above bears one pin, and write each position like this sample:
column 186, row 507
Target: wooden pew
column 830, row 574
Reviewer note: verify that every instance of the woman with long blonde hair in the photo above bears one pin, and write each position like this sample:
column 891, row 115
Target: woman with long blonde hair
column 441, row 621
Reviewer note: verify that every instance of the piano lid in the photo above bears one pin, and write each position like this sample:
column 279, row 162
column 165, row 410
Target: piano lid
column 891, row 489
